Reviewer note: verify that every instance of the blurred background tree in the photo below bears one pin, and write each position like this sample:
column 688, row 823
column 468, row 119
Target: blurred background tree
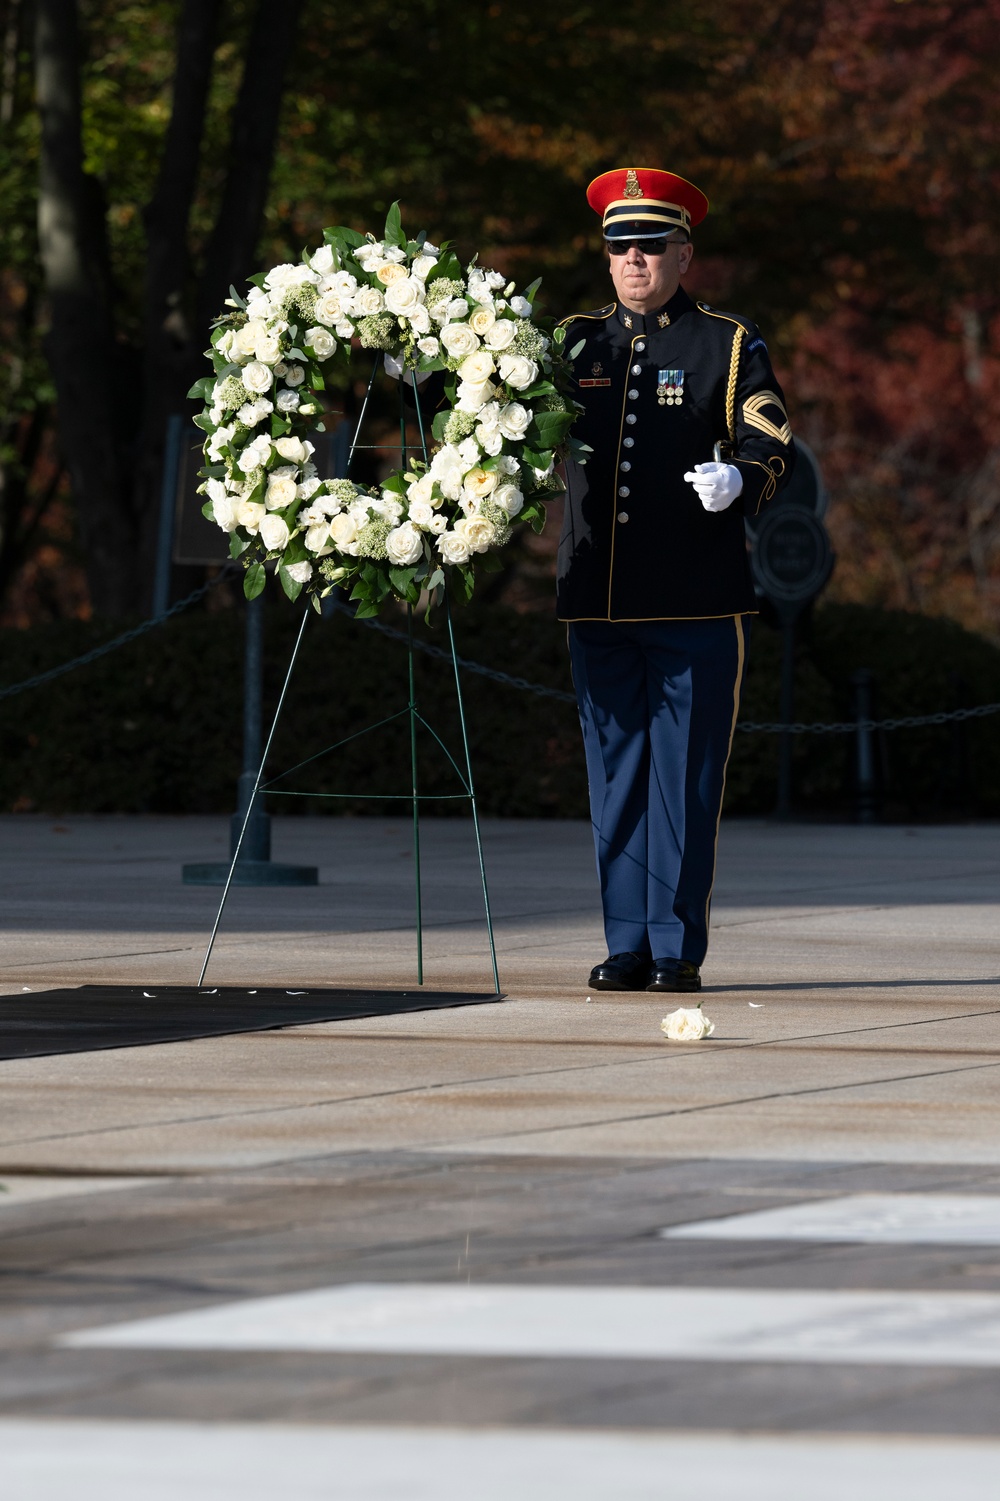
column 150, row 154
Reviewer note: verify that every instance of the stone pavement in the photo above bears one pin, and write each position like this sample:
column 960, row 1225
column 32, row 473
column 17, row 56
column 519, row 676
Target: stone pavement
column 415, row 1178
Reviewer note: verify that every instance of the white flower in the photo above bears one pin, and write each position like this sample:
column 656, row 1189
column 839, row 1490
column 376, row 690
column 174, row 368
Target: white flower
column 421, row 491
column 490, row 439
column 299, row 573
column 268, row 349
column 501, row 334
column 344, row 328
column 478, row 532
column 389, row 272
column 509, row 498
column 328, row 308
column 218, row 441
column 423, row 265
column 367, row 301
column 274, row 533
column 404, row 296
column 404, row 546
column 321, row 260
column 472, row 396
column 294, row 375
column 514, row 420
column 489, row 417
column 420, row 320
column 224, row 509
column 438, row 310
column 507, row 464
column 245, row 338
column 280, row 493
column 321, row 342
column 458, row 308
column 421, row 513
column 252, row 412
column 448, row 469
column 288, row 401
column 388, row 506
column 687, row 1024
column 255, row 295
column 521, row 306
column 294, row 450
column 468, row 452
column 318, row 538
column 482, row 320
column 517, row 370
column 289, row 275
column 340, row 282
column 430, row 347
column 453, row 547
column 479, row 483
column 215, row 489
column 250, row 514
column 495, row 280
column 393, row 253
column 477, row 367
column 371, row 250
column 459, row 340
column 343, row 530
column 257, row 377
column 307, row 489
column 256, row 454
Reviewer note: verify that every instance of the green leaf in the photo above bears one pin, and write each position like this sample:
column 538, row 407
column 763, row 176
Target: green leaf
column 239, row 301
column 559, row 334
column 577, row 349
column 366, row 610
column 205, row 423
column 448, row 264
column 279, row 425
column 201, row 389
column 393, row 234
column 343, row 236
column 291, row 588
column 316, row 603
column 439, row 424
column 237, row 545
column 401, row 579
column 208, row 511
column 530, row 291
column 254, row 580
column 435, row 580
column 548, row 429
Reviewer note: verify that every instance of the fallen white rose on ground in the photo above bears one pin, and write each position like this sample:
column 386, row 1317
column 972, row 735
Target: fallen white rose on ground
column 687, row 1024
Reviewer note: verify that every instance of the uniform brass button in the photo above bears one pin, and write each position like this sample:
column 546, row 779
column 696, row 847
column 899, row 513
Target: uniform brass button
column 633, row 395
column 628, row 442
column 630, row 418
column 625, row 465
column 624, row 491
column 640, row 346
column 623, row 516
column 636, row 369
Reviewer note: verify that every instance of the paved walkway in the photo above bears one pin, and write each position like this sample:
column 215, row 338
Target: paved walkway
column 390, row 1170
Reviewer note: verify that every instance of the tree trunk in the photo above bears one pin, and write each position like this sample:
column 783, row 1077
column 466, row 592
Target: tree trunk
column 80, row 344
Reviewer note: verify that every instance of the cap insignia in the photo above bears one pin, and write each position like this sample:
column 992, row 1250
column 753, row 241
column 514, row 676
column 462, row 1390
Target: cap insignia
column 631, row 188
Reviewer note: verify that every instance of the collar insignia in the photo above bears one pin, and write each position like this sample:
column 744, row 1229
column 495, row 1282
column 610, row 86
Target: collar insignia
column 627, row 319
column 663, row 319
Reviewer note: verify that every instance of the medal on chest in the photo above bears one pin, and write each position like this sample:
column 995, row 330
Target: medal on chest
column 670, row 387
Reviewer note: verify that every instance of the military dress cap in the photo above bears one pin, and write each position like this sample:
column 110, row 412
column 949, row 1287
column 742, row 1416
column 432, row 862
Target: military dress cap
column 644, row 203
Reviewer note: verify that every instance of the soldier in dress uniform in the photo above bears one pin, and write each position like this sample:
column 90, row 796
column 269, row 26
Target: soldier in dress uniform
column 689, row 435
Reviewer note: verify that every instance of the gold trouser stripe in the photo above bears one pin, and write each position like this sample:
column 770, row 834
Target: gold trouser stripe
column 741, row 650
column 734, row 367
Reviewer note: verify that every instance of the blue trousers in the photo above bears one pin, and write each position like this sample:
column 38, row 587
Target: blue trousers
column 658, row 701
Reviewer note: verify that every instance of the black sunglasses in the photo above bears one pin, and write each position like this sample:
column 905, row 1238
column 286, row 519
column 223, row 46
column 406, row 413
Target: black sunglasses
column 648, row 247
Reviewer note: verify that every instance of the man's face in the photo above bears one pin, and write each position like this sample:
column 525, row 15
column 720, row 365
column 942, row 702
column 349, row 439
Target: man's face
column 644, row 282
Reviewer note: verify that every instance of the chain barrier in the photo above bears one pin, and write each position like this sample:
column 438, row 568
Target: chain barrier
column 113, row 645
column 493, row 674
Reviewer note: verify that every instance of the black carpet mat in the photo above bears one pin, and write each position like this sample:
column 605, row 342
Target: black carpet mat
column 90, row 1017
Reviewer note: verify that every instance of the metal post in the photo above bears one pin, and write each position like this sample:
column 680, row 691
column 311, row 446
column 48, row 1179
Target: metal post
column 786, row 739
column 416, row 800
column 168, row 504
column 861, row 684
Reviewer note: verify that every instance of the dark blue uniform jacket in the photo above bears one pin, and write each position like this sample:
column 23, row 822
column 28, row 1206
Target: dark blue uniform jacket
column 659, row 391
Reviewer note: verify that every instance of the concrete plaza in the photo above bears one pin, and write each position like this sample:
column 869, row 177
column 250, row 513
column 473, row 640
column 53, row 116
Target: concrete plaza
column 390, row 1169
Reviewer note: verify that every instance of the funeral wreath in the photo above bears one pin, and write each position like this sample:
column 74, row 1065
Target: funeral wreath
column 491, row 449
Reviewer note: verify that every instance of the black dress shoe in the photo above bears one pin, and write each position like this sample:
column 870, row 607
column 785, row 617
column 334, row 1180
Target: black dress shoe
column 674, row 974
column 621, row 972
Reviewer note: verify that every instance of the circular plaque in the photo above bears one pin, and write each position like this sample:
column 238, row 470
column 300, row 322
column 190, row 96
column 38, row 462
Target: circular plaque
column 791, row 558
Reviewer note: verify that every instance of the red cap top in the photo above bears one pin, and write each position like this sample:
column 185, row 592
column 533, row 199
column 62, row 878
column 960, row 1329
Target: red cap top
column 643, row 201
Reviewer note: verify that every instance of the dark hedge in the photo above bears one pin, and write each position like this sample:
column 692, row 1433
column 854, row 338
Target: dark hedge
column 156, row 725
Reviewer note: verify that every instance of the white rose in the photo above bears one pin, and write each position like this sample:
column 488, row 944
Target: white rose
column 390, row 272
column 294, row 375
column 507, row 464
column 508, row 498
column 477, row 368
column 256, row 454
column 245, row 338
column 453, row 547
column 439, row 523
column 501, row 334
column 458, row 308
column 687, row 1024
column 368, row 300
column 224, row 509
column 459, row 340
column 480, row 483
column 318, row 538
column 438, row 310
column 482, row 320
column 393, row 253
column 252, row 412
column 471, row 397
column 421, row 513
column 294, row 450
column 322, row 259
column 328, row 308
column 321, row 342
column 490, row 439
column 299, row 573
column 288, row 401
column 289, row 275
column 307, row 489
column 404, row 296
column 430, row 347
column 468, row 452
column 344, row 328
column 219, row 440
column 478, row 532
column 517, row 370
column 257, row 377
column 448, row 469
column 420, row 490
column 225, row 343
column 274, row 533
column 388, row 506
column 404, row 546
column 268, row 349
column 280, row 493
column 250, row 514
column 420, row 319
column 255, row 295
column 514, row 420
column 343, row 530
column 521, row 306
column 423, row 265
column 489, row 417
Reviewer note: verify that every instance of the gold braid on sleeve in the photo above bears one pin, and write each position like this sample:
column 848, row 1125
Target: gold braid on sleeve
column 734, row 366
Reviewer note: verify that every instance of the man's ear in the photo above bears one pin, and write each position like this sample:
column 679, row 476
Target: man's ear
column 684, row 257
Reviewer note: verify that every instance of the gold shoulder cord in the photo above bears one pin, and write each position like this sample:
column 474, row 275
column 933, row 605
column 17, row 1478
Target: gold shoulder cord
column 734, row 366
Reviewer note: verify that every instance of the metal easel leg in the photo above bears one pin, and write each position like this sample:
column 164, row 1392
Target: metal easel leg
column 252, row 798
column 416, row 799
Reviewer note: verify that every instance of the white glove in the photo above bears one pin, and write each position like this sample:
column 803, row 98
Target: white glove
column 394, row 367
column 717, row 484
